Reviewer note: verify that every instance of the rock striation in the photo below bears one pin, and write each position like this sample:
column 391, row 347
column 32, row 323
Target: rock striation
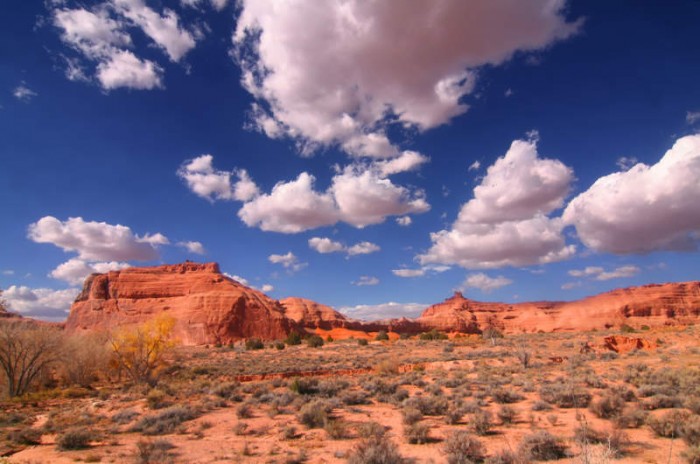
column 207, row 306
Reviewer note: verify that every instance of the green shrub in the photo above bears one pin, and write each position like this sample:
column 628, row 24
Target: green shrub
column 254, row 344
column 381, row 335
column 75, row 439
column 279, row 345
column 624, row 328
column 434, row 334
column 462, row 448
column 293, row 339
column 314, row 341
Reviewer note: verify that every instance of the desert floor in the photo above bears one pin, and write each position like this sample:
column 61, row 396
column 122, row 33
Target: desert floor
column 344, row 400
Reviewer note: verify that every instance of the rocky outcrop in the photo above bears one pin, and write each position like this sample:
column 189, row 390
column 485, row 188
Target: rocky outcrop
column 207, row 306
column 622, row 344
column 652, row 305
column 314, row 315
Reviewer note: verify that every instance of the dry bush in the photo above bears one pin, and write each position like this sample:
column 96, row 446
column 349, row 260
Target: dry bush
column 411, row 415
column 25, row 436
column 166, row 421
column 417, row 433
column 608, row 406
column 631, row 418
column 155, row 452
column 75, row 438
column 565, row 396
column 481, row 422
column 670, row 424
column 27, row 351
column 462, row 448
column 692, row 455
column 373, row 451
column 542, row 446
column 315, row 414
column 507, row 414
column 691, row 431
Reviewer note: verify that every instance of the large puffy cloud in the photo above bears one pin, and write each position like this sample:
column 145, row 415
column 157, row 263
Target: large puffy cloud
column 42, row 303
column 645, row 208
column 359, row 196
column 506, row 223
column 101, row 36
column 338, row 72
column 95, row 241
column 75, row 270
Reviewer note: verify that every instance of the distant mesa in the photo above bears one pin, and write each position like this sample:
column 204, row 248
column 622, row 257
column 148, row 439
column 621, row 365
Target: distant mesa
column 210, row 308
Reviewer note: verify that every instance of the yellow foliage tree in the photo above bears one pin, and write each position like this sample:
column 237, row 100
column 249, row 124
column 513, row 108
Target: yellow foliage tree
column 140, row 351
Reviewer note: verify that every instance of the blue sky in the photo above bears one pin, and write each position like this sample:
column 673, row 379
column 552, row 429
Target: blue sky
column 372, row 156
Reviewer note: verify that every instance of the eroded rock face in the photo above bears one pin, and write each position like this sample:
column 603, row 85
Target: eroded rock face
column 208, row 307
column 313, row 315
column 652, row 305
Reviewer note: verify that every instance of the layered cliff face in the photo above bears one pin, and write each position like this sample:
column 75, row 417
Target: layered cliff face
column 207, row 306
column 313, row 315
column 652, row 305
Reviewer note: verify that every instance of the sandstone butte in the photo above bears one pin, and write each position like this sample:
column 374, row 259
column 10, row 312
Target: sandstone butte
column 211, row 308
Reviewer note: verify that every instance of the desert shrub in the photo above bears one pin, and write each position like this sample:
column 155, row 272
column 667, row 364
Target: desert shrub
column 481, row 422
column 692, row 455
column 13, row 418
column 154, row 452
column 462, row 448
column 373, row 451
column 542, row 446
column 336, row 429
column 624, row 328
column 278, row 345
column 125, row 416
column 293, row 339
column 254, row 344
column 524, row 355
column 74, row 439
column 505, row 456
column 314, row 341
column 540, row 405
column 27, row 351
column 84, row 356
column 140, row 351
column 362, row 342
column 434, row 334
column 663, row 402
column 352, row 398
column 670, row 424
column 416, row 434
column 227, row 390
column 607, row 406
column 315, row 414
column 616, row 440
column 330, row 388
column 411, row 415
column 692, row 403
column 382, row 335
column 507, row 414
column 502, row 395
column 245, row 410
column 371, row 430
column 166, row 421
column 631, row 418
column 565, row 396
column 690, row 431
column 453, row 415
column 304, row 386
column 25, row 436
column 429, row 405
column 156, row 399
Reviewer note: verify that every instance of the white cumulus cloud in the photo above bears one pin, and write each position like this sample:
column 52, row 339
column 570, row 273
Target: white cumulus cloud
column 363, row 248
column 485, row 283
column 388, row 310
column 645, row 208
column 366, row 281
column 288, row 261
column 124, row 69
column 409, row 272
column 193, row 247
column 339, row 72
column 507, row 222
column 75, row 270
column 41, row 303
column 325, row 245
column 95, row 241
column 599, row 273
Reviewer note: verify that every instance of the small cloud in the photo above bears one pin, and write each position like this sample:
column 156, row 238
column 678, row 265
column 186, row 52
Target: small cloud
column 325, row 245
column 691, row 117
column 8, row 272
column 474, row 166
column 24, row 93
column 366, row 280
column 288, row 261
column 409, row 272
column 485, row 283
column 267, row 288
column 193, row 247
column 626, row 162
column 363, row 248
column 237, row 278
column 571, row 285
column 404, row 221
column 599, row 273
column 383, row 311
column 508, row 92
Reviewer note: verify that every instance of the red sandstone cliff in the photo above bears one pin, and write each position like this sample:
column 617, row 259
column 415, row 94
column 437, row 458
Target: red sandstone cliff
column 207, row 306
